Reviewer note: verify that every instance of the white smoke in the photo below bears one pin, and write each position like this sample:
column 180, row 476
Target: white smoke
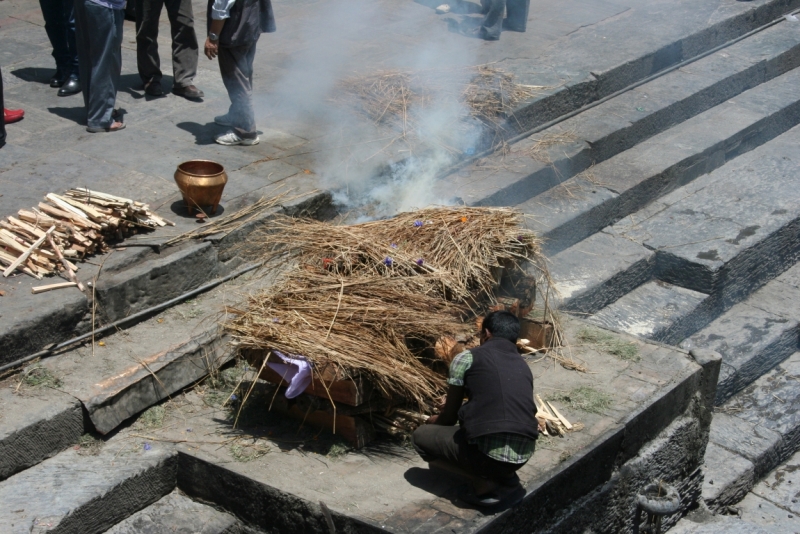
column 370, row 165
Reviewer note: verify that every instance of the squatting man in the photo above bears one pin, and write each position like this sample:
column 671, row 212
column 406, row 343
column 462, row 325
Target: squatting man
column 497, row 426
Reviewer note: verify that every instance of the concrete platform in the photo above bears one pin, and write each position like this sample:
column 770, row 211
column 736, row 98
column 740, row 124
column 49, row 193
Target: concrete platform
column 86, row 494
column 176, row 514
column 647, row 422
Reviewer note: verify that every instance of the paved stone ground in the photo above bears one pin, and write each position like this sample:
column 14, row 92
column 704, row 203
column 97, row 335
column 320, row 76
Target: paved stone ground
column 297, row 68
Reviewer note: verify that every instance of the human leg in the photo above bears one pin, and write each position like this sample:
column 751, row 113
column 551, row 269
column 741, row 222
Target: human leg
column 517, row 15
column 185, row 50
column 59, row 24
column 236, row 69
column 147, row 60
column 100, row 60
column 2, row 120
column 493, row 22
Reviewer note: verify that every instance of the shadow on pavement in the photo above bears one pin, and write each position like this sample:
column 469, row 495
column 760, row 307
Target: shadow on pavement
column 74, row 114
column 203, row 133
column 33, row 74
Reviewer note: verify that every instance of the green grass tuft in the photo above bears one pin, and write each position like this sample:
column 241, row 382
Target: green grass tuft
column 38, row 376
column 247, row 452
column 610, row 343
column 584, row 398
column 88, row 445
column 151, row 418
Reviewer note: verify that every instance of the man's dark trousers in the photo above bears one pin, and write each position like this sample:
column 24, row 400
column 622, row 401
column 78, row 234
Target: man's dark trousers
column 236, row 69
column 59, row 23
column 493, row 23
column 184, row 40
column 449, row 443
column 100, row 52
column 2, row 116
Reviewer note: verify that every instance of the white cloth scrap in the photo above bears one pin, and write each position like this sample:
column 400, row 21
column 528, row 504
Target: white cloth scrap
column 295, row 370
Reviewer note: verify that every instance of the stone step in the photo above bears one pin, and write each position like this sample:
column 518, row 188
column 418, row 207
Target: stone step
column 651, row 310
column 86, row 494
column 725, row 235
column 51, row 403
column 177, row 513
column 626, row 183
column 754, row 335
column 35, row 426
column 756, row 430
column 550, row 157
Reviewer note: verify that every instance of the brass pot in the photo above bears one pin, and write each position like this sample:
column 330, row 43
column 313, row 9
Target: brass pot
column 201, row 183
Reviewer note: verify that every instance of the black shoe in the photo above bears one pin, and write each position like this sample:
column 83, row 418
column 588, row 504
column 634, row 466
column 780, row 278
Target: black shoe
column 187, row 91
column 57, row 80
column 71, row 87
column 153, row 88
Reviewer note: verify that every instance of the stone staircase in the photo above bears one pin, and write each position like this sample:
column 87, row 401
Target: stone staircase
column 671, row 212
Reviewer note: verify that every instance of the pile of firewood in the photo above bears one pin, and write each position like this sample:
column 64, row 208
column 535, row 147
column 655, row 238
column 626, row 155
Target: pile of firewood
column 551, row 421
column 47, row 238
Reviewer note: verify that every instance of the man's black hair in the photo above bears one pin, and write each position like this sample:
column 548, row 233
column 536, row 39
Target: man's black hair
column 502, row 324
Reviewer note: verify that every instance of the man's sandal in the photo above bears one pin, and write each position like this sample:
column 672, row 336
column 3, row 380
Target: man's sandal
column 112, row 128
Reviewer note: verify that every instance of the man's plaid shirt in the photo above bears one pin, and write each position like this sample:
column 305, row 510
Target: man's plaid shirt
column 504, row 447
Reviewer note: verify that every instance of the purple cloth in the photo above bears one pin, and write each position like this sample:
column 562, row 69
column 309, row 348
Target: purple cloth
column 296, row 371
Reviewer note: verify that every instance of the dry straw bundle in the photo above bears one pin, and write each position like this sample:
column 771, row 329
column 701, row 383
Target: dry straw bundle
column 394, row 97
column 372, row 298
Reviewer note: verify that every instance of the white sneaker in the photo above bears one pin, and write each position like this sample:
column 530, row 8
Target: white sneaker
column 231, row 139
column 442, row 9
column 223, row 120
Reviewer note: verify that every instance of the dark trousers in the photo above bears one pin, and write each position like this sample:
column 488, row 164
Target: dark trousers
column 2, row 116
column 59, row 23
column 184, row 40
column 517, row 11
column 100, row 54
column 236, row 68
column 449, row 443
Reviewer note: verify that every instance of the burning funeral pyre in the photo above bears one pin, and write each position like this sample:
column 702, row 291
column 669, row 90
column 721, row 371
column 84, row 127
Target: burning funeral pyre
column 360, row 330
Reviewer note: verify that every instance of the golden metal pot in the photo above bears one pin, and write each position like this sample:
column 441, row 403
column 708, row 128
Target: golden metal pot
column 201, row 183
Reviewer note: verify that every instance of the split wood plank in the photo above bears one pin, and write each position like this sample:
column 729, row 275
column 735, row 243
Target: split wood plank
column 27, row 253
column 61, row 285
column 560, row 417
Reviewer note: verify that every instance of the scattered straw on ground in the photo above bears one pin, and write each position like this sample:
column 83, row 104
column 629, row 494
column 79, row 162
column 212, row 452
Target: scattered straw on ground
column 584, row 398
column 610, row 343
column 399, row 98
column 541, row 150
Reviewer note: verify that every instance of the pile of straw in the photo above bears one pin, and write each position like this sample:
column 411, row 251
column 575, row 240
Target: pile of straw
column 372, row 298
column 393, row 97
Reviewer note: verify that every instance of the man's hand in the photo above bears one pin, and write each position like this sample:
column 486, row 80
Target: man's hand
column 211, row 48
column 432, row 420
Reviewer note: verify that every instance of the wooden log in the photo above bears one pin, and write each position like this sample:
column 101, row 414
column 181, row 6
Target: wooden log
column 82, row 222
column 38, row 232
column 27, row 253
column 561, row 418
column 349, row 392
column 67, row 265
column 61, row 285
column 352, row 428
column 8, row 259
column 38, row 219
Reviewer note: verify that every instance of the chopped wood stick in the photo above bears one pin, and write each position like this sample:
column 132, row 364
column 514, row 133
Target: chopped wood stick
column 11, row 268
column 61, row 285
column 560, row 417
column 7, row 259
column 67, row 268
column 38, row 232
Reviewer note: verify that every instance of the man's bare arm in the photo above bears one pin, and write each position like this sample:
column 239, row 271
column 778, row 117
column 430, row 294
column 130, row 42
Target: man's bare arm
column 449, row 414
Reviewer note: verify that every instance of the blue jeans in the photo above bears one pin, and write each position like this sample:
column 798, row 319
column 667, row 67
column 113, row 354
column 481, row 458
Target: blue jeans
column 59, row 23
column 100, row 51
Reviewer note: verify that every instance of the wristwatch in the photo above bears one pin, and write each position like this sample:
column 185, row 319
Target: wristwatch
column 213, row 36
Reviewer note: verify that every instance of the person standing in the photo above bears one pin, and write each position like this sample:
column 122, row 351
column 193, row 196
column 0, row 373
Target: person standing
column 493, row 23
column 184, row 47
column 99, row 38
column 497, row 428
column 234, row 27
column 59, row 23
